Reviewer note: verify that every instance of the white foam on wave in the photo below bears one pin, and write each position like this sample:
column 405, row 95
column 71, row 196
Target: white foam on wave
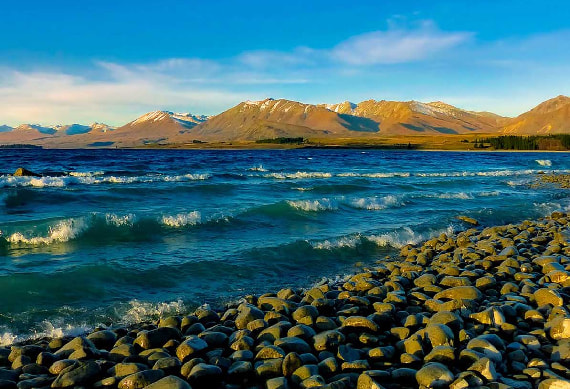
column 375, row 203
column 449, row 195
column 298, row 175
column 182, row 219
column 120, row 220
column 544, row 162
column 345, row 241
column 139, row 311
column 406, row 235
column 130, row 313
column 38, row 182
column 492, row 173
column 493, row 193
column 94, row 179
column 47, row 329
column 304, row 189
column 258, row 168
column 547, row 208
column 375, row 175
column 187, row 177
column 314, row 205
column 397, row 239
column 86, row 174
column 63, row 231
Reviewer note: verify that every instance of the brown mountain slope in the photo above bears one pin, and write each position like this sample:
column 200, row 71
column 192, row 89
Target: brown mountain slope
column 404, row 117
column 151, row 128
column 23, row 134
column 549, row 117
column 270, row 118
column 283, row 118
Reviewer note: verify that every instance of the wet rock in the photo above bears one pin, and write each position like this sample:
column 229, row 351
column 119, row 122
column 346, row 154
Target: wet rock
column 157, row 337
column 441, row 354
column 439, row 335
column 277, row 383
column 169, row 382
column 125, row 369
column 169, row 365
column 546, row 296
column 269, row 368
column 460, row 293
column 36, row 382
column 291, row 362
column 371, row 379
column 79, row 374
column 434, row 375
column 103, row 339
column 360, row 323
column 190, row 348
column 328, row 340
column 240, row 370
column 554, row 383
column 558, row 328
column 140, row 379
column 23, row 172
column 486, row 368
column 303, row 373
column 292, row 344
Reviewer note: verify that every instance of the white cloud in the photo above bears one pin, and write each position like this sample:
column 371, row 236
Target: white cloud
column 50, row 98
column 397, row 45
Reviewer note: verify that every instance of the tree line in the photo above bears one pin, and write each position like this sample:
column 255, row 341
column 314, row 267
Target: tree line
column 532, row 142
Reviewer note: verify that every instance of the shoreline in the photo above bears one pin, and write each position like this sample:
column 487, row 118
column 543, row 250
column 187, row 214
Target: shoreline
column 289, row 147
column 484, row 307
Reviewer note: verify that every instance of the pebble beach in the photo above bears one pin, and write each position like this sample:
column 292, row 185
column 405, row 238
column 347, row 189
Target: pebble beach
column 485, row 308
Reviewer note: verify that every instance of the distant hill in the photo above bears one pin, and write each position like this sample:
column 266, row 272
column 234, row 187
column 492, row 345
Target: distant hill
column 253, row 120
column 151, row 128
column 549, row 117
column 269, row 118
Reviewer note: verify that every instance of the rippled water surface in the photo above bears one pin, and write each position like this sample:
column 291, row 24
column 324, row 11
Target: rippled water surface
column 118, row 235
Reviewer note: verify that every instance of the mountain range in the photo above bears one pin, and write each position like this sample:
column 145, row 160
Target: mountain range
column 269, row 118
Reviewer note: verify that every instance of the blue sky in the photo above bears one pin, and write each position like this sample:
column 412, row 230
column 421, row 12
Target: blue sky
column 111, row 61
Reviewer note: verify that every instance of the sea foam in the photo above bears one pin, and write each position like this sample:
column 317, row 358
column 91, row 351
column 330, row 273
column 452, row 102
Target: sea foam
column 314, row 205
column 298, row 175
column 544, row 162
column 63, row 231
column 182, row 219
column 375, row 203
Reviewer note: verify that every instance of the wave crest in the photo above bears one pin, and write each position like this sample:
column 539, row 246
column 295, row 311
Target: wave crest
column 313, row 205
column 298, row 175
column 182, row 219
column 375, row 203
column 544, row 162
column 63, row 231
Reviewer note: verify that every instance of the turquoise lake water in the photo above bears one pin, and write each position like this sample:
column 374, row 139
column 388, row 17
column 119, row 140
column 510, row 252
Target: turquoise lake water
column 119, row 236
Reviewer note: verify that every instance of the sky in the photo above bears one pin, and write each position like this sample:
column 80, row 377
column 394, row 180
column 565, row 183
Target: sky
column 64, row 62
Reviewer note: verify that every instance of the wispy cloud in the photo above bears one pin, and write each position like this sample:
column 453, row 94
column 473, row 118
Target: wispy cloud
column 397, row 45
column 56, row 98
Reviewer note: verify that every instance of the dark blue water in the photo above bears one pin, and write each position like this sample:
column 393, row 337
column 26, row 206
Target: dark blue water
column 120, row 235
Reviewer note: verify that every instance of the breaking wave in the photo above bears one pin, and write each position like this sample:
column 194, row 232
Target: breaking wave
column 544, row 162
column 375, row 203
column 395, row 239
column 102, row 227
column 8, row 181
column 58, row 326
column 298, row 175
column 258, row 168
column 314, row 205
column 182, row 219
